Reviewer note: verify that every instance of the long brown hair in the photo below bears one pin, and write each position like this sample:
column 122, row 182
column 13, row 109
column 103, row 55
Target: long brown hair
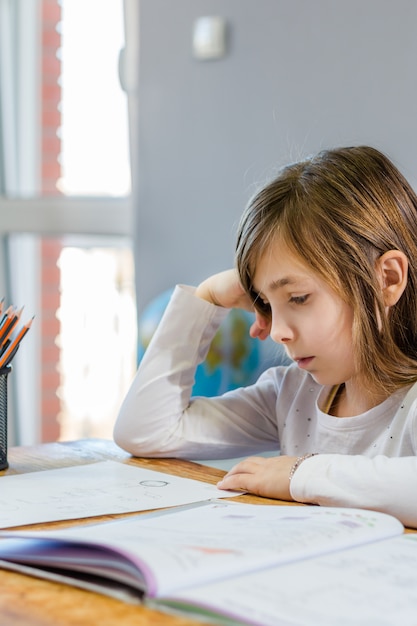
column 338, row 212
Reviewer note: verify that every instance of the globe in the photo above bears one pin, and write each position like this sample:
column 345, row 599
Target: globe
column 234, row 359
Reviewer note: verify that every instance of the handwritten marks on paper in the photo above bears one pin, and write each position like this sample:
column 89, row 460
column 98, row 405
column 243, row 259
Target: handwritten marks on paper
column 101, row 488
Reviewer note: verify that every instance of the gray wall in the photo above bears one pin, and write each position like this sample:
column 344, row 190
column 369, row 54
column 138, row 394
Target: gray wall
column 299, row 75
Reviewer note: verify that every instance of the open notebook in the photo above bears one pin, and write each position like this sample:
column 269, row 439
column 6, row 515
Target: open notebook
column 229, row 562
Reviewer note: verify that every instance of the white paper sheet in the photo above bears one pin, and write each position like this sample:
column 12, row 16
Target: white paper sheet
column 95, row 489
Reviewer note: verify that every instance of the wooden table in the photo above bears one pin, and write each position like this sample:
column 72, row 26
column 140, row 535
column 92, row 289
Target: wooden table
column 27, row 601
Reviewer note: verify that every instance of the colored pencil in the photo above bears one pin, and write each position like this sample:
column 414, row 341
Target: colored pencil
column 9, row 353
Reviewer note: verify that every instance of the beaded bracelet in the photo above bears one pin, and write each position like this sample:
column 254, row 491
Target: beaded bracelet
column 298, row 462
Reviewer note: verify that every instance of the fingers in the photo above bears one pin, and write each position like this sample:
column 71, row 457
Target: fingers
column 224, row 289
column 245, row 476
column 257, row 332
column 239, row 474
column 261, row 327
column 267, row 477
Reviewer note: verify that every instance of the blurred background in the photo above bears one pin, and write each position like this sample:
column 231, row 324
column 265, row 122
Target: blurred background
column 133, row 133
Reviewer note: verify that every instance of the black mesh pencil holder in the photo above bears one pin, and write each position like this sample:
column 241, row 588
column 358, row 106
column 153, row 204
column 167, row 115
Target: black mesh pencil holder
column 3, row 417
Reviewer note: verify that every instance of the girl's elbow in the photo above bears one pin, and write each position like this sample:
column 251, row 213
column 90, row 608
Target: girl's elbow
column 136, row 443
column 125, row 438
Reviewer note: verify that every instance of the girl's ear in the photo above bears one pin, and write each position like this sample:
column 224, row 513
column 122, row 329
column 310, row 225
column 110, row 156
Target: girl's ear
column 392, row 272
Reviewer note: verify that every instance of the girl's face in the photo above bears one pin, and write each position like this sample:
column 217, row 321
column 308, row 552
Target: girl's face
column 308, row 317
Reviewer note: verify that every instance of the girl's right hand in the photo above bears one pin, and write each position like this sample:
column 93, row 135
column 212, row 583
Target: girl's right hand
column 224, row 289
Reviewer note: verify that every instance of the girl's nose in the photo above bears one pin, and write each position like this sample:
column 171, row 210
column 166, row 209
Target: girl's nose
column 280, row 331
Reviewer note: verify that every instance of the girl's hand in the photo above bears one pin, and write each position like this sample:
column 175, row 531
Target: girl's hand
column 224, row 289
column 267, row 477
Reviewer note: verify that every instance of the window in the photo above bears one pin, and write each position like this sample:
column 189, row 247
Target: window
column 97, row 336
column 65, row 200
column 94, row 131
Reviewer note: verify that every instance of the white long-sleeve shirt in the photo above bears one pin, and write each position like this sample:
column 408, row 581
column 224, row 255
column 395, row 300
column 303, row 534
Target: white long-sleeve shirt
column 365, row 461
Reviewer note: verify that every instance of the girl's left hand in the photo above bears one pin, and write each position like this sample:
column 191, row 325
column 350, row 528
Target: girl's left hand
column 267, row 477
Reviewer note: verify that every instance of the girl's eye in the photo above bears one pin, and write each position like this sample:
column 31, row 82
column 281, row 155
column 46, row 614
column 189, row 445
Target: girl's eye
column 299, row 299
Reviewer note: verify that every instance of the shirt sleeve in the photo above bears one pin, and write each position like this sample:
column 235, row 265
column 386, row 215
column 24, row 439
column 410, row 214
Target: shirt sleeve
column 381, row 483
column 158, row 417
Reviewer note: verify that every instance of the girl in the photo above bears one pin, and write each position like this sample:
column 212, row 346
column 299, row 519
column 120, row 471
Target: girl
column 327, row 257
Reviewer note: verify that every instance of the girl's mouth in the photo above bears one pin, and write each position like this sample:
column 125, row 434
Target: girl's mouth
column 304, row 362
